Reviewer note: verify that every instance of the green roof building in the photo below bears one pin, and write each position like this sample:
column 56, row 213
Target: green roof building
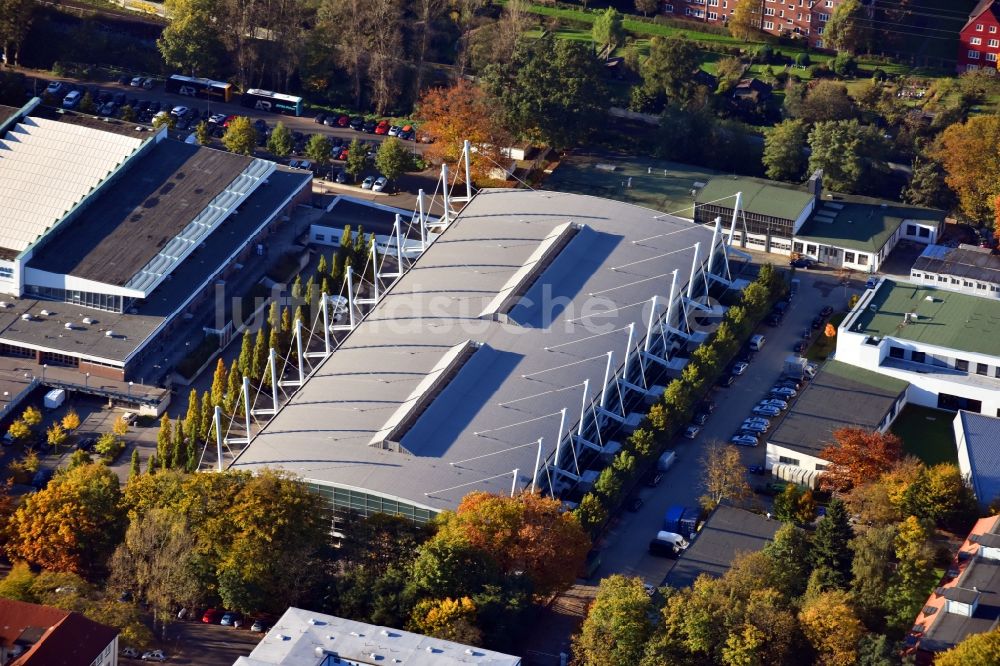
column 839, row 230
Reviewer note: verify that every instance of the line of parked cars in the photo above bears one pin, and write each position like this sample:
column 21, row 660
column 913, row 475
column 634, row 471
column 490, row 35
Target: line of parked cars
column 359, row 124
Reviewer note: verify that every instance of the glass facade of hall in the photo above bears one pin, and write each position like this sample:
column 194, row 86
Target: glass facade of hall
column 344, row 504
column 87, row 299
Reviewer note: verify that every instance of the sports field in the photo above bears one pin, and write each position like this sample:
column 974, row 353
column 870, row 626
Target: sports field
column 657, row 184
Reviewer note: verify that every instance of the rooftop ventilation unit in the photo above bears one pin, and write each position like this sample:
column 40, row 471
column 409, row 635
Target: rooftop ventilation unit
column 109, row 334
column 27, row 316
column 69, row 326
column 45, row 313
column 4, row 304
column 88, row 321
column 873, row 308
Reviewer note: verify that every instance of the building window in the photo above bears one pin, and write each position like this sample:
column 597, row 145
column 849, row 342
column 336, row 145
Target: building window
column 975, row 41
column 820, row 467
column 918, row 356
column 768, row 25
column 924, row 232
column 811, row 249
column 785, row 460
column 823, row 17
column 768, row 11
column 961, row 365
column 320, row 237
column 895, row 352
column 954, row 281
column 712, row 16
column 979, row 27
column 994, row 43
column 980, row 285
column 973, row 55
column 797, row 247
column 991, row 57
column 982, row 369
column 849, row 257
column 911, row 230
column 829, row 3
column 862, row 259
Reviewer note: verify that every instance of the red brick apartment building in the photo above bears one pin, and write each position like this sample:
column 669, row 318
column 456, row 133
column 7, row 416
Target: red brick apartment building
column 979, row 41
column 801, row 18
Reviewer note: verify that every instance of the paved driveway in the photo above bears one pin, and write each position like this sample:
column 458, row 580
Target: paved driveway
column 625, row 545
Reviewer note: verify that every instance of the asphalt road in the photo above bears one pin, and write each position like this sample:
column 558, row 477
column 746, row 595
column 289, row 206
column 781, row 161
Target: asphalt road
column 625, row 545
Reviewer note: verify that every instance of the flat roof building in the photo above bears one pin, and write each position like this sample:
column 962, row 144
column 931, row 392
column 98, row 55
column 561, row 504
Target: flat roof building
column 945, row 344
column 977, row 437
column 967, row 269
column 304, row 638
column 110, row 234
column 968, row 599
column 839, row 396
column 727, row 532
column 503, row 358
column 838, row 230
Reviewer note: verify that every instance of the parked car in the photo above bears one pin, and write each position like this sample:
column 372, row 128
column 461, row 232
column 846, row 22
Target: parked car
column 871, row 282
column 816, row 322
column 129, row 418
column 369, row 127
column 320, row 118
column 654, row 479
column 229, row 619
column 761, row 410
column 136, row 81
column 367, row 183
column 380, row 184
column 72, row 99
column 801, row 262
column 357, row 123
column 42, row 478
column 180, row 111
column 691, row 431
column 211, row 616
column 707, row 405
column 726, row 380
column 395, row 130
column 258, row 626
column 800, row 346
column 662, row 549
column 341, row 177
column 741, row 439
column 344, row 121
column 129, row 653
column 826, row 311
column 784, row 392
column 740, row 367
column 107, row 109
column 634, row 503
column 154, row 655
column 148, row 83
column 382, row 127
column 806, row 334
column 701, row 418
column 756, row 469
column 774, row 402
column 55, row 88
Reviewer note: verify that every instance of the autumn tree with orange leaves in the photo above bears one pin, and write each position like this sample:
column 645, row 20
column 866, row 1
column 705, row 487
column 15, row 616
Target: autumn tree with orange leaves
column 528, row 533
column 462, row 112
column 858, row 456
column 73, row 524
column 972, row 165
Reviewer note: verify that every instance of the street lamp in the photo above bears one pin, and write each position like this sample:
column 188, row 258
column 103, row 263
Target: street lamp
column 130, row 389
column 44, row 367
column 86, row 380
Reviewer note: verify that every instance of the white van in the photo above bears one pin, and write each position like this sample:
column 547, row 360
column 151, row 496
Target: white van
column 677, row 540
column 666, row 461
column 757, row 342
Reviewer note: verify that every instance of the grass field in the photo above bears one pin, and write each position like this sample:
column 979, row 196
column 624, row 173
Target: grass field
column 657, row 184
column 927, row 434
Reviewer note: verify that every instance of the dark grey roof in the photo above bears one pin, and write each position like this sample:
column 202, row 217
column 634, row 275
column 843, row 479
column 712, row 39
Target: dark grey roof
column 483, row 422
column 960, row 594
column 966, row 261
column 7, row 112
column 727, row 532
column 840, row 395
column 132, row 330
column 948, row 629
column 130, row 222
column 981, row 436
column 990, row 540
column 374, row 217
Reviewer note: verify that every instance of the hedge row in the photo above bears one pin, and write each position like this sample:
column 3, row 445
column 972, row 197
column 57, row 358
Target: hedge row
column 670, row 414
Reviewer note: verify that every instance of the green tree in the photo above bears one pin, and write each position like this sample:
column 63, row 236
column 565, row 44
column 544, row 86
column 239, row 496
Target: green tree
column 164, row 438
column 280, row 143
column 218, row 391
column 392, row 159
column 258, row 368
column 233, row 401
column 927, row 186
column 825, row 100
column 357, row 160
column 191, row 40
column 318, row 149
column 70, row 525
column 647, row 7
column 746, row 19
column 87, row 103
column 246, row 354
column 846, row 152
column 56, row 436
column 128, row 114
column 206, row 425
column 164, row 120
column 31, row 416
column 449, row 619
column 192, row 421
column 784, row 150
column 832, row 628
column 669, row 68
column 240, row 136
column 608, row 485
column 79, row 458
column 608, row 29
column 972, row 165
column 871, row 571
column 724, row 476
column 831, row 553
column 789, row 551
column 617, row 625
column 849, row 27
column 981, row 648
column 133, row 468
column 551, row 90
column 19, row 430
column 15, row 19
column 202, row 134
column 914, row 576
column 179, row 448
column 591, row 513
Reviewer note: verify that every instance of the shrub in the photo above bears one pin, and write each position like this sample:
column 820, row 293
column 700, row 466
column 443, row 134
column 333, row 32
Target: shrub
column 803, row 60
column 844, row 65
column 764, row 53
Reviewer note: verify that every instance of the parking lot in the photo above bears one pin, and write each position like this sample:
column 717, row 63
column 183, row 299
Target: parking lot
column 625, row 545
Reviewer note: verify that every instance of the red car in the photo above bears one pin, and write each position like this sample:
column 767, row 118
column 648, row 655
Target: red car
column 229, row 119
column 343, row 154
column 382, row 127
column 343, row 121
column 212, row 616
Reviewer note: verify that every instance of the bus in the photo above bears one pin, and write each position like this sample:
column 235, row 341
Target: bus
column 203, row 88
column 265, row 100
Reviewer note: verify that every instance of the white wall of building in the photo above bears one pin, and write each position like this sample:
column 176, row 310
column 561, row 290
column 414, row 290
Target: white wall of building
column 964, row 464
column 961, row 285
column 777, row 454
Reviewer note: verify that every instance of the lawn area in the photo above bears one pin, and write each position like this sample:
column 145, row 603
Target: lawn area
column 927, row 434
column 657, row 184
column 823, row 346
